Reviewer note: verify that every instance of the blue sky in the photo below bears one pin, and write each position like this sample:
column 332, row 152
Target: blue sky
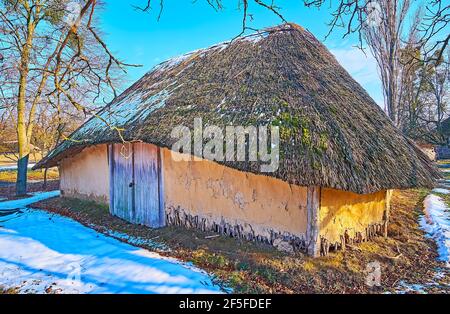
column 185, row 25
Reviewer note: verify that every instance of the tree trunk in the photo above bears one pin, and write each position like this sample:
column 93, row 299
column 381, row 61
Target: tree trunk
column 23, row 140
column 22, row 169
column 45, row 180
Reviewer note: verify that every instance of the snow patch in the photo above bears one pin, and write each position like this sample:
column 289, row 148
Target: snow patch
column 441, row 191
column 405, row 287
column 176, row 61
column 433, row 284
column 255, row 38
column 436, row 223
column 135, row 107
column 46, row 253
column 138, row 241
column 13, row 168
column 22, row 203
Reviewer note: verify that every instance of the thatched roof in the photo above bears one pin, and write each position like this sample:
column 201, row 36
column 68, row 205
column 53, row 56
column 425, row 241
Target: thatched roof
column 333, row 134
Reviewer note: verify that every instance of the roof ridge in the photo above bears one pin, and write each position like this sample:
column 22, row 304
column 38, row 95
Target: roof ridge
column 263, row 33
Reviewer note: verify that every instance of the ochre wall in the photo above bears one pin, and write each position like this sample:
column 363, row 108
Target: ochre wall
column 211, row 191
column 204, row 190
column 341, row 211
column 86, row 175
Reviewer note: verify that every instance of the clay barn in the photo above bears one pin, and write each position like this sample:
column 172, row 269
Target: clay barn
column 340, row 156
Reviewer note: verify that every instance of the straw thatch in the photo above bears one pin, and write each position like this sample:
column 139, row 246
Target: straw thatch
column 332, row 133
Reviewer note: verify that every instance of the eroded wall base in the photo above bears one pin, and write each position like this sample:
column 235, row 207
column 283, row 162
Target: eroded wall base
column 347, row 218
column 212, row 197
column 282, row 240
column 371, row 232
column 103, row 200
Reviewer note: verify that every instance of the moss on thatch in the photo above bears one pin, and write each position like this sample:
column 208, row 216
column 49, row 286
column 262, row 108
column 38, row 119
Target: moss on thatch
column 332, row 133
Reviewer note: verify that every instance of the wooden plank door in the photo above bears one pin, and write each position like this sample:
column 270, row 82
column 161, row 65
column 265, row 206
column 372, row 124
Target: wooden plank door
column 147, row 179
column 122, row 183
column 136, row 184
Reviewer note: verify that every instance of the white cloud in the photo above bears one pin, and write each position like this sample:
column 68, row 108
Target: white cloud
column 363, row 67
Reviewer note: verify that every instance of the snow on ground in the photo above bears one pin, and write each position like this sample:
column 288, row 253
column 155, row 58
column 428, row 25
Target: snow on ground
column 13, row 167
column 441, row 191
column 436, row 223
column 138, row 241
column 405, row 287
column 22, row 203
column 42, row 252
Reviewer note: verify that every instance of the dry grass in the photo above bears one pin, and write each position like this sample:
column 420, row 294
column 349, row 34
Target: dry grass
column 8, row 191
column 8, row 291
column 6, row 159
column 256, row 268
column 38, row 175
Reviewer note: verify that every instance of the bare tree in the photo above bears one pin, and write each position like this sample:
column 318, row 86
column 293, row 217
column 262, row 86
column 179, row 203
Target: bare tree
column 435, row 29
column 438, row 95
column 46, row 59
column 384, row 39
column 424, row 93
column 218, row 5
column 352, row 15
column 51, row 51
